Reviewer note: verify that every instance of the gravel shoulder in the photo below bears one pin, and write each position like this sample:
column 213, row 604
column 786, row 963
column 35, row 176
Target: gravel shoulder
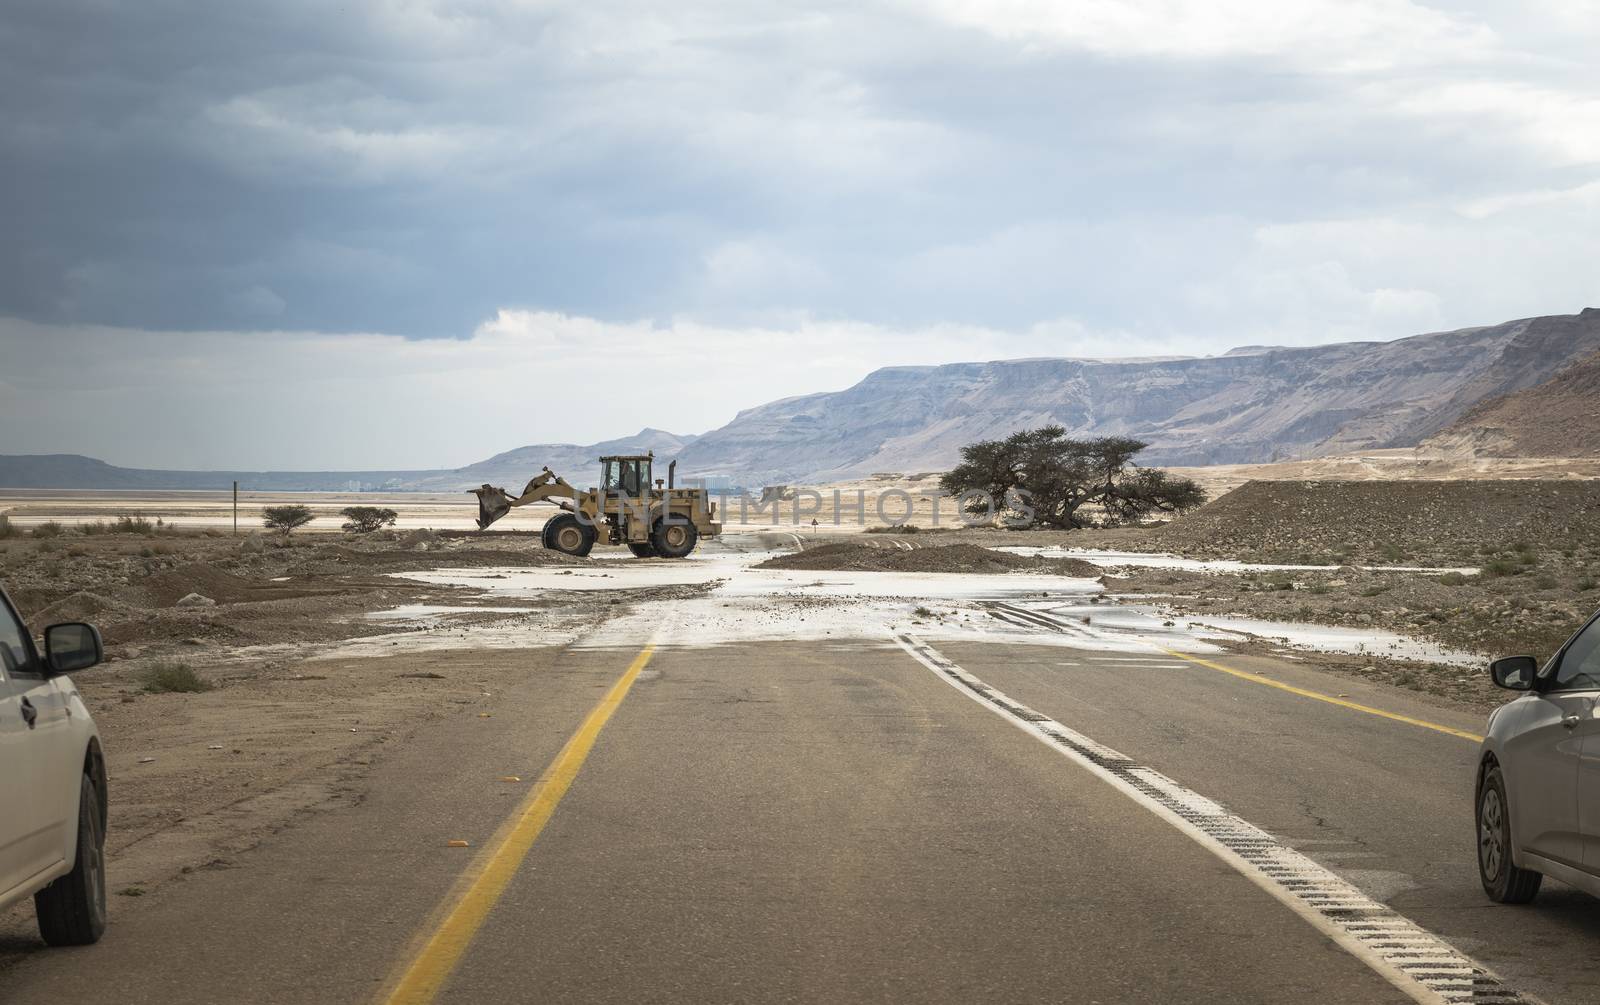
column 281, row 725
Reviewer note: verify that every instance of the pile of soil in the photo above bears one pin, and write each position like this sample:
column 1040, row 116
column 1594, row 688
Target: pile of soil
column 851, row 556
column 84, row 606
column 1395, row 523
column 166, row 588
column 264, row 588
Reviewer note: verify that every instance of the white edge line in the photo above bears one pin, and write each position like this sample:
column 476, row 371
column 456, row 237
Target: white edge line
column 1345, row 940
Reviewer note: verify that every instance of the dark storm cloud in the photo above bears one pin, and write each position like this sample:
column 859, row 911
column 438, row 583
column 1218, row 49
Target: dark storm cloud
column 411, row 168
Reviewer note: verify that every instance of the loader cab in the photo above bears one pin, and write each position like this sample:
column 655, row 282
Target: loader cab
column 628, row 476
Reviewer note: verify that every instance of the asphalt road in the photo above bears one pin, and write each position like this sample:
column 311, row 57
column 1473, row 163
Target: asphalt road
column 835, row 823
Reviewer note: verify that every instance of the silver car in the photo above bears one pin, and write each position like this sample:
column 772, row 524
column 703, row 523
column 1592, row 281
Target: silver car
column 1538, row 794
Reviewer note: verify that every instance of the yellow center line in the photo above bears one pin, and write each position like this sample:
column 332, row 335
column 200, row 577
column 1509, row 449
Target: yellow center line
column 486, row 879
column 1330, row 699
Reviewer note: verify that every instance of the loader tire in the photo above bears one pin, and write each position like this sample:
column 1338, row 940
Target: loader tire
column 565, row 533
column 674, row 536
column 644, row 549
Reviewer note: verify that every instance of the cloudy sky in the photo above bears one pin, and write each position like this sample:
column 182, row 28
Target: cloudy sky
column 403, row 234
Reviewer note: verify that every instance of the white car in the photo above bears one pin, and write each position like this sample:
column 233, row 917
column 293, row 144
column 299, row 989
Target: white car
column 52, row 781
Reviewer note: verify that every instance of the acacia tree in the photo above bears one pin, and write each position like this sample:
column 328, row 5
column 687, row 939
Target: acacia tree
column 366, row 519
column 1069, row 483
column 286, row 518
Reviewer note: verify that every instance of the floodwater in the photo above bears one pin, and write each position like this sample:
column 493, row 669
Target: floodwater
column 745, row 604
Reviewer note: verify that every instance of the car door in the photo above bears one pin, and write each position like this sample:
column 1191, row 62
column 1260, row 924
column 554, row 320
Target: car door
column 26, row 833
column 57, row 743
column 1546, row 753
column 1587, row 731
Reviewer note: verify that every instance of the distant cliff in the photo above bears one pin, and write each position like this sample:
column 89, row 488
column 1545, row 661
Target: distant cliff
column 1249, row 405
column 1558, row 418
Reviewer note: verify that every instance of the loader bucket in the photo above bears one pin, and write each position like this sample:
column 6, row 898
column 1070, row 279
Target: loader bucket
column 492, row 505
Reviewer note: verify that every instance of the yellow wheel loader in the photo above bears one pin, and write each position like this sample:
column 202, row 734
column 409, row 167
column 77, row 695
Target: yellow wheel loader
column 654, row 521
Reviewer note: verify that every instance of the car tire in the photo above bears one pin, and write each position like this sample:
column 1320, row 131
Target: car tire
column 1503, row 881
column 72, row 910
column 564, row 532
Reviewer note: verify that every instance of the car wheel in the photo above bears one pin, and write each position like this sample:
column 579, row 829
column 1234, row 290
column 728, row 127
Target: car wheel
column 1503, row 881
column 72, row 910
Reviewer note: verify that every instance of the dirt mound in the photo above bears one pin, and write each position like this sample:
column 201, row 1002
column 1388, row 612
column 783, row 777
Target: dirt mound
column 1402, row 523
column 528, row 555
column 969, row 558
column 1558, row 418
column 165, row 589
column 83, row 606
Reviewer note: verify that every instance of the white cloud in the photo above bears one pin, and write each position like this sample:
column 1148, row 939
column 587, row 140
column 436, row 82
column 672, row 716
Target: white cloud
column 312, row 400
column 1582, row 198
column 1338, row 35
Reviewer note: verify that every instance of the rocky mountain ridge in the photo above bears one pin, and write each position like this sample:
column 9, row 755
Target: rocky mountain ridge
column 1558, row 418
column 1252, row 404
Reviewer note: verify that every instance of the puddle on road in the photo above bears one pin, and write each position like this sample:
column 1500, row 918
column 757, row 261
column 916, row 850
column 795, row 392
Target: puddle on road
column 435, row 612
column 1166, row 627
column 609, row 573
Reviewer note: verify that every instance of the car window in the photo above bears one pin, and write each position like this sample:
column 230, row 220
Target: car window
column 1580, row 664
column 14, row 653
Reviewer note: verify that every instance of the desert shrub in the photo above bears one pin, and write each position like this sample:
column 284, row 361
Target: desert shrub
column 167, row 677
column 366, row 519
column 90, row 528
column 1454, row 579
column 7, row 528
column 1392, row 553
column 285, row 518
column 49, row 528
column 132, row 525
column 897, row 528
column 1586, row 584
column 1497, row 568
column 1375, row 591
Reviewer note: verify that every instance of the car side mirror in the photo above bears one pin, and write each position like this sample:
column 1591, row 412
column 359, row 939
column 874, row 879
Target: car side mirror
column 71, row 647
column 1514, row 673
